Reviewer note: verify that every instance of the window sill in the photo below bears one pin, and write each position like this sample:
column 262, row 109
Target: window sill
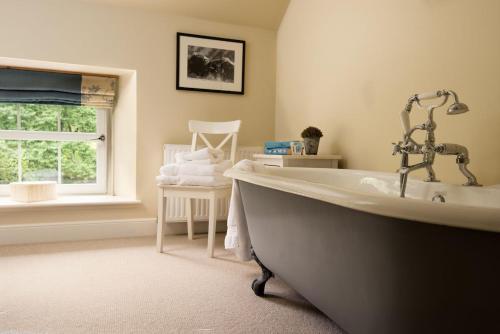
column 68, row 201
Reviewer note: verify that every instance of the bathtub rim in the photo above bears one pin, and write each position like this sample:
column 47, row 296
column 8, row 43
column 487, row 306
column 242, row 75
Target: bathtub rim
column 450, row 214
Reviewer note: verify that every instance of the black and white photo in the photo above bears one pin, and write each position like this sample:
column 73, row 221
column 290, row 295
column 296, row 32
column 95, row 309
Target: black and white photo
column 210, row 64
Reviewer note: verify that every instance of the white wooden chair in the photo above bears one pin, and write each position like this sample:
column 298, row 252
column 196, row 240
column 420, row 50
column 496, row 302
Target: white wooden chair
column 190, row 193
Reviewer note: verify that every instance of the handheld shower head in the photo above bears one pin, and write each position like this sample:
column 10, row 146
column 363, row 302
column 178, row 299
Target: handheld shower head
column 457, row 107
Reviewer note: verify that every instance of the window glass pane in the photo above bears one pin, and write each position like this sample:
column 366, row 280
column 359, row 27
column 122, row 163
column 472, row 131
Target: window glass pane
column 48, row 160
column 78, row 162
column 8, row 161
column 39, row 117
column 43, row 117
column 8, row 116
column 78, row 119
column 39, row 160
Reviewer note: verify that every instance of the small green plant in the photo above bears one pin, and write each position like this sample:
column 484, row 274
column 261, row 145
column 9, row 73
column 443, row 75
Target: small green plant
column 311, row 132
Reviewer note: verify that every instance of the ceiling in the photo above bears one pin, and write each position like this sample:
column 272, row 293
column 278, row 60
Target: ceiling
column 258, row 13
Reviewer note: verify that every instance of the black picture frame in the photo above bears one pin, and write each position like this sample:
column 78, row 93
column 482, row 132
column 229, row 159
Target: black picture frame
column 185, row 82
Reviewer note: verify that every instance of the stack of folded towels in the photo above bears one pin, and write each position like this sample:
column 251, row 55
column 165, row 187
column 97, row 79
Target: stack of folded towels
column 199, row 168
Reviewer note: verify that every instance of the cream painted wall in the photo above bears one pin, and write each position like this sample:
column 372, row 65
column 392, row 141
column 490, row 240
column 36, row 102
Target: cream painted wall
column 141, row 40
column 349, row 67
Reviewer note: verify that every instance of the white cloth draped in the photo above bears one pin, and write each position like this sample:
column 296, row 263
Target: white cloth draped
column 237, row 236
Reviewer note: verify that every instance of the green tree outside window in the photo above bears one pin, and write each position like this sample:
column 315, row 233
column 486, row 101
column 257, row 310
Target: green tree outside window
column 40, row 158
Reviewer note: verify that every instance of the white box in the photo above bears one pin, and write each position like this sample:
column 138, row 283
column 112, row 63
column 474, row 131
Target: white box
column 33, row 191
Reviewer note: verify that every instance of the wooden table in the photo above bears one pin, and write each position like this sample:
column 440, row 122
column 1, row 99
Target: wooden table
column 314, row 161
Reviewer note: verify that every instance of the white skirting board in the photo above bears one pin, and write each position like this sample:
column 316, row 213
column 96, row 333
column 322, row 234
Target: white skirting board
column 73, row 231
column 91, row 230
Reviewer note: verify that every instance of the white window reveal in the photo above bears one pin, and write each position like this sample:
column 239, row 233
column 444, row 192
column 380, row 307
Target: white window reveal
column 49, row 142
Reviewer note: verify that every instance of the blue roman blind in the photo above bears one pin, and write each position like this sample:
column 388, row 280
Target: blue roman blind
column 45, row 87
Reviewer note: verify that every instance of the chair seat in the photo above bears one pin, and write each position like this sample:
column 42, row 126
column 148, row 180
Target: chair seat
column 192, row 188
column 200, row 192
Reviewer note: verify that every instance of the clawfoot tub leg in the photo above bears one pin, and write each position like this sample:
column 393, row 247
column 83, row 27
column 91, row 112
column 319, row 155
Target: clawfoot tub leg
column 259, row 284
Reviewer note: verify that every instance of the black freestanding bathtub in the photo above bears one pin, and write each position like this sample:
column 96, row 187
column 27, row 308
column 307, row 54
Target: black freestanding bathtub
column 369, row 272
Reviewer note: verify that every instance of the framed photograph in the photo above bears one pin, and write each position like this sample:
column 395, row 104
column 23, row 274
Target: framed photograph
column 210, row 64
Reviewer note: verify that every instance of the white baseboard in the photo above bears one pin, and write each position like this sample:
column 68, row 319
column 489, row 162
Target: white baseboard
column 91, row 230
column 72, row 231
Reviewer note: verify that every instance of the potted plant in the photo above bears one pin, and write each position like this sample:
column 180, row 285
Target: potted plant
column 311, row 137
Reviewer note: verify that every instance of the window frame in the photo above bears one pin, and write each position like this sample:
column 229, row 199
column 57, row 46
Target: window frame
column 100, row 187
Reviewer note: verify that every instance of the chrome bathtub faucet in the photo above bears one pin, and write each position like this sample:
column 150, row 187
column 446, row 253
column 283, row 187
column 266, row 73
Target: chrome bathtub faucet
column 429, row 149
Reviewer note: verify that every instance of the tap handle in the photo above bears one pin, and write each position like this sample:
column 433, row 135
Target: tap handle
column 430, row 95
column 396, row 148
column 451, row 149
column 405, row 121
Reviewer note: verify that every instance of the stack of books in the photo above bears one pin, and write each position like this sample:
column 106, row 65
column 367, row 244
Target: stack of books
column 278, row 147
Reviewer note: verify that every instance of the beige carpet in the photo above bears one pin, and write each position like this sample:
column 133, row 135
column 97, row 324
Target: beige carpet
column 124, row 286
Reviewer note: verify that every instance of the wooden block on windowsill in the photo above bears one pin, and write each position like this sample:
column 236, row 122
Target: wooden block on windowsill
column 28, row 192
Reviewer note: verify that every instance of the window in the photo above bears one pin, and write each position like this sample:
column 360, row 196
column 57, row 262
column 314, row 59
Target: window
column 62, row 143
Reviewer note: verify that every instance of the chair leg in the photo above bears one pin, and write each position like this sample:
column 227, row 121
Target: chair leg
column 189, row 213
column 161, row 220
column 212, row 223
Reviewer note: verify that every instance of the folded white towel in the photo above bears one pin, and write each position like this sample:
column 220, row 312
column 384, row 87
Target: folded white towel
column 167, row 179
column 214, row 155
column 204, row 170
column 206, row 181
column 195, row 169
column 194, row 162
column 169, row 170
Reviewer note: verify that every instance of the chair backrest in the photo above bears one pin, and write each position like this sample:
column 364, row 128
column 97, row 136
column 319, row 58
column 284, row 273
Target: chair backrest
column 230, row 129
